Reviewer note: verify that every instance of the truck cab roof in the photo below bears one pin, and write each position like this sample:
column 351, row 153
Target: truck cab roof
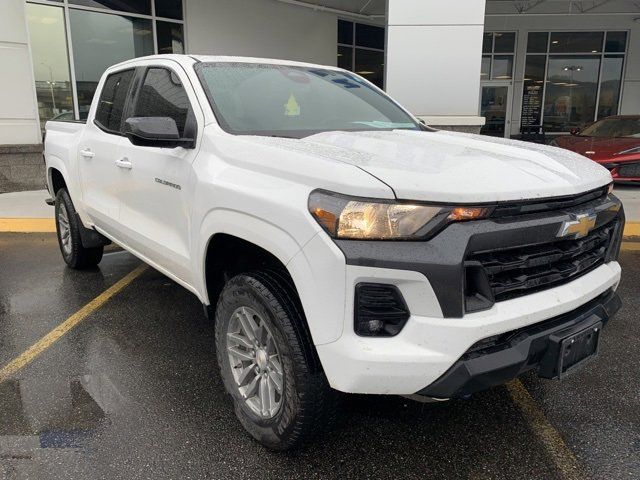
column 185, row 59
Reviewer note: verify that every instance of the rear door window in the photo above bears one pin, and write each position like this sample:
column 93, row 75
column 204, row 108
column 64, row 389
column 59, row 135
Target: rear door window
column 112, row 101
column 163, row 95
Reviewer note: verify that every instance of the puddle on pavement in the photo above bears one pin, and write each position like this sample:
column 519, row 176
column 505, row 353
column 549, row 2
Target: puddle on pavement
column 40, row 414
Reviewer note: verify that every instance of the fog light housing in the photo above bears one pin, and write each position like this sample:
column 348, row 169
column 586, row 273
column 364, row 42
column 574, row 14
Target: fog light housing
column 380, row 310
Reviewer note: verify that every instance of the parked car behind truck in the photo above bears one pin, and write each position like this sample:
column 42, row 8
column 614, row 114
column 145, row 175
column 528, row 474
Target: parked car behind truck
column 613, row 142
column 338, row 243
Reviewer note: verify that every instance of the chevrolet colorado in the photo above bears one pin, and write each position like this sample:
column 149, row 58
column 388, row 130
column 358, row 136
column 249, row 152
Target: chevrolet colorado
column 340, row 244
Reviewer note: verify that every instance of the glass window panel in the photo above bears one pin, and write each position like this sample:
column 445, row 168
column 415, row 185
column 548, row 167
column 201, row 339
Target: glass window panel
column 502, row 67
column 505, row 42
column 571, row 89
column 370, row 65
column 493, row 107
column 533, row 89
column 534, row 68
column 131, row 6
column 345, row 57
column 170, row 37
column 576, row 42
column 162, row 95
column 345, row 32
column 369, row 36
column 101, row 40
column 610, row 86
column 616, row 42
column 50, row 62
column 169, row 9
column 487, row 42
column 112, row 100
column 537, row 42
column 485, row 70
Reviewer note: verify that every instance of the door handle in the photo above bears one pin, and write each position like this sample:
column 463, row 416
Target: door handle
column 87, row 153
column 124, row 163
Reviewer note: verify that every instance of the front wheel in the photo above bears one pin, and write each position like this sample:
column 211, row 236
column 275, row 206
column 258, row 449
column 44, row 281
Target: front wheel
column 68, row 230
column 267, row 362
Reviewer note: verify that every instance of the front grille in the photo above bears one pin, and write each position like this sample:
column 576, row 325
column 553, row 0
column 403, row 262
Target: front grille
column 514, row 272
column 629, row 171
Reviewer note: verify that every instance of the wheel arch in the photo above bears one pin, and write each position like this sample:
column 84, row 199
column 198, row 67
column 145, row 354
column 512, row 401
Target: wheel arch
column 57, row 176
column 222, row 225
column 228, row 255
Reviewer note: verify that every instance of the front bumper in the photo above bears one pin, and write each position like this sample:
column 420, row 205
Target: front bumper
column 429, row 345
column 494, row 361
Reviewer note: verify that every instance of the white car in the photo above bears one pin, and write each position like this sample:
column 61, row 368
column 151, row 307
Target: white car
column 339, row 243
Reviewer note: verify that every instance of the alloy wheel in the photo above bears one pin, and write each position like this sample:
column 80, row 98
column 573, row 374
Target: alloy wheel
column 255, row 362
column 65, row 229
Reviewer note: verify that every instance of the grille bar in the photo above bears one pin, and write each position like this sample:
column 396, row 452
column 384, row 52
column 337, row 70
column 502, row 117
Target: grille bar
column 519, row 271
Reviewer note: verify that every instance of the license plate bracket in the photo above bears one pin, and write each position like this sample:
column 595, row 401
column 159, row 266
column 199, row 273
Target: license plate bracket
column 578, row 348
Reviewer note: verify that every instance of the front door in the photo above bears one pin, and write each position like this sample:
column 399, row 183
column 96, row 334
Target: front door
column 495, row 106
column 157, row 183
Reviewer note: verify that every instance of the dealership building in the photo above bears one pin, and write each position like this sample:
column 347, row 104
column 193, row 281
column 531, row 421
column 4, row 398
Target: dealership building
column 501, row 67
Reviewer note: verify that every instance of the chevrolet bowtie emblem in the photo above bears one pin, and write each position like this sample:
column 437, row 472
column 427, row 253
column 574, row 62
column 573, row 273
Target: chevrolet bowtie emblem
column 580, row 227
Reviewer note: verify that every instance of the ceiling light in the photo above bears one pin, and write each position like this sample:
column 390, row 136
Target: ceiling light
column 365, row 72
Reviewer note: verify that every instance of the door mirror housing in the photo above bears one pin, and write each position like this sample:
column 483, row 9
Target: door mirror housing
column 155, row 132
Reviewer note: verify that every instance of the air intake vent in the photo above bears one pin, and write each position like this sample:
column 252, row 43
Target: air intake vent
column 380, row 310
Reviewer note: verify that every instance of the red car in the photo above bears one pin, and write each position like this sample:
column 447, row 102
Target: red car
column 613, row 142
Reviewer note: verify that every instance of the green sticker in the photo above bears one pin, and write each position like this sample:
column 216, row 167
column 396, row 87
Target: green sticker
column 292, row 108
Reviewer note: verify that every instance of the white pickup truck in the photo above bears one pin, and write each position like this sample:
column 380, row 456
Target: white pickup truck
column 338, row 242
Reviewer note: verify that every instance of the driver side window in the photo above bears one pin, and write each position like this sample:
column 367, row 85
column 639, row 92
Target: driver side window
column 163, row 95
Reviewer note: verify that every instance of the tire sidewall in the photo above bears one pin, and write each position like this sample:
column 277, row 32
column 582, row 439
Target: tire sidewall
column 272, row 432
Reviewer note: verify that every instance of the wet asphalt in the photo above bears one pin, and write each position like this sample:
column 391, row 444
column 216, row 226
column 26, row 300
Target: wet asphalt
column 134, row 392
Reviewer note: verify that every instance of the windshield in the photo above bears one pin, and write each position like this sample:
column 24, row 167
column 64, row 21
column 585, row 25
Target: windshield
column 614, row 127
column 278, row 100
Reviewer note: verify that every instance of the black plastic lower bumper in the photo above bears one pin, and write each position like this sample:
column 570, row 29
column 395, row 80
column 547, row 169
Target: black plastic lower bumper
column 498, row 359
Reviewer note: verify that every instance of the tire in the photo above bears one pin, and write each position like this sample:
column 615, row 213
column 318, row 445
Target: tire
column 68, row 231
column 307, row 405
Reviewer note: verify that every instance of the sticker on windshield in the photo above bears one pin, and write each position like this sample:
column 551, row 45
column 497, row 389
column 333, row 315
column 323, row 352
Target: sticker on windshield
column 292, row 108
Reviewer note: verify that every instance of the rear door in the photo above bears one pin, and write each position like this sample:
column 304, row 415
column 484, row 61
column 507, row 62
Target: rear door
column 98, row 150
column 157, row 184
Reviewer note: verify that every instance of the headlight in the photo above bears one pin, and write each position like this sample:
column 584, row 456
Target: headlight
column 358, row 218
column 553, row 143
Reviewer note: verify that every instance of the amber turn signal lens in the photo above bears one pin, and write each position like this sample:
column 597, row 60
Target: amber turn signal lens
column 460, row 214
column 326, row 218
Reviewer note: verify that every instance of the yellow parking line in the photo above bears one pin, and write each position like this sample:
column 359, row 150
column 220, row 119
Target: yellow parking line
column 630, row 246
column 54, row 335
column 568, row 466
column 27, row 225
column 632, row 229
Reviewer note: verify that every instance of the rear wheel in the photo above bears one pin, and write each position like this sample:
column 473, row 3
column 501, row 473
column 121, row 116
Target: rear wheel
column 279, row 393
column 68, row 230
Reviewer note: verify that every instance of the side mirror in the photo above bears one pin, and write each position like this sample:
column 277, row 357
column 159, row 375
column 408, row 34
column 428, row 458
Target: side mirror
column 155, row 132
column 574, row 131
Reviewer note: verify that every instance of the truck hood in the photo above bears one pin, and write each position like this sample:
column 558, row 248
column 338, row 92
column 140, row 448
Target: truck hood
column 456, row 167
